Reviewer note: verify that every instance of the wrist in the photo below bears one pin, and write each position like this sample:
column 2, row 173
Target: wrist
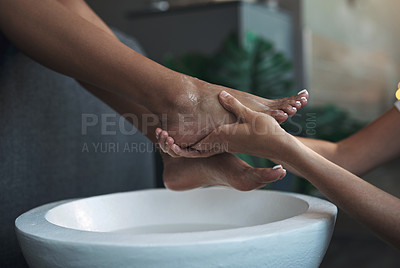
column 290, row 151
column 302, row 158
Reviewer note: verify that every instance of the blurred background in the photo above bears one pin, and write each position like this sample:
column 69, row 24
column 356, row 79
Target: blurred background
column 345, row 52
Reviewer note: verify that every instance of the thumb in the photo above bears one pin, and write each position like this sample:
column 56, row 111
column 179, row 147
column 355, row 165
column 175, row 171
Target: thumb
column 232, row 105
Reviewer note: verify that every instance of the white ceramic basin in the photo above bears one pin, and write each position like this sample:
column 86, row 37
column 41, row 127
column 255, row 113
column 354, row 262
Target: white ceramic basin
column 210, row 227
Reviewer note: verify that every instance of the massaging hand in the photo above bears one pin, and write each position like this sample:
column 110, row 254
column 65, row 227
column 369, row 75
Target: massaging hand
column 259, row 134
column 253, row 133
column 135, row 85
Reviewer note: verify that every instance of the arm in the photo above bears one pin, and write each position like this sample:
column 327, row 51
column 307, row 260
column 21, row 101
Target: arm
column 82, row 9
column 63, row 40
column 359, row 153
column 68, row 37
column 370, row 147
column 240, row 176
column 376, row 209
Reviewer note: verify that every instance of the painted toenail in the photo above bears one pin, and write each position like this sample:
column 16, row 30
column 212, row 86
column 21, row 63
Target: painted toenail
column 303, row 91
column 283, row 175
column 294, row 108
column 277, row 166
column 285, row 114
column 298, row 102
column 224, row 94
column 303, row 98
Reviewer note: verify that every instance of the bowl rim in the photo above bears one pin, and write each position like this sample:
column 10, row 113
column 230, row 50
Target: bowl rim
column 33, row 224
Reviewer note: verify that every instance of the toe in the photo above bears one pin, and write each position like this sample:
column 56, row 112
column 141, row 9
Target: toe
column 269, row 175
column 279, row 116
column 253, row 178
column 298, row 101
column 303, row 101
column 289, row 109
column 302, row 96
column 303, row 93
column 295, row 103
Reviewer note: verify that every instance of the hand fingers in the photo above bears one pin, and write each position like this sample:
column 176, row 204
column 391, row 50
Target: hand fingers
column 213, row 142
column 191, row 153
column 162, row 141
column 158, row 133
column 168, row 146
column 201, row 149
column 165, row 142
column 231, row 104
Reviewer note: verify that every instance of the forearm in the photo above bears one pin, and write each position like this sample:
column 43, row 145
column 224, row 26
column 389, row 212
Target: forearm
column 328, row 150
column 374, row 145
column 136, row 114
column 366, row 149
column 261, row 136
column 370, row 147
column 376, row 209
column 64, row 41
column 82, row 9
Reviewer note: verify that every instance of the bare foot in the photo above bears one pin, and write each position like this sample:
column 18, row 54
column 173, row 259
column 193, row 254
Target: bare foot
column 223, row 169
column 196, row 110
column 279, row 109
column 181, row 173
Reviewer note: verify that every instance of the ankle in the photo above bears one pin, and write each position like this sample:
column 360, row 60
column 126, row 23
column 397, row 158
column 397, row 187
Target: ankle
column 187, row 94
column 178, row 94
